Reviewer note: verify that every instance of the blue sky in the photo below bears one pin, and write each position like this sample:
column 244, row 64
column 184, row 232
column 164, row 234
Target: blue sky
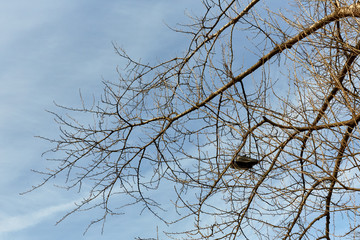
column 49, row 51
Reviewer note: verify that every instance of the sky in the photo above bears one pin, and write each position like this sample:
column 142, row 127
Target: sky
column 51, row 50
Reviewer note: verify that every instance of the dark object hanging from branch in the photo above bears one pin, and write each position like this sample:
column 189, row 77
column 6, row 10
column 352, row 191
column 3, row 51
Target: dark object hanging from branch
column 243, row 163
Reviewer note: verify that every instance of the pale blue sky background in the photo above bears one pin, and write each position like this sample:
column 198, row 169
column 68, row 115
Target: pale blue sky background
column 49, row 49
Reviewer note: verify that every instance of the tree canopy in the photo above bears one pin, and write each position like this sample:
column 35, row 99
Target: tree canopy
column 277, row 82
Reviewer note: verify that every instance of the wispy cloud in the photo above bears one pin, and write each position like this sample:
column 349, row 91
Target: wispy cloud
column 16, row 223
column 49, row 50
